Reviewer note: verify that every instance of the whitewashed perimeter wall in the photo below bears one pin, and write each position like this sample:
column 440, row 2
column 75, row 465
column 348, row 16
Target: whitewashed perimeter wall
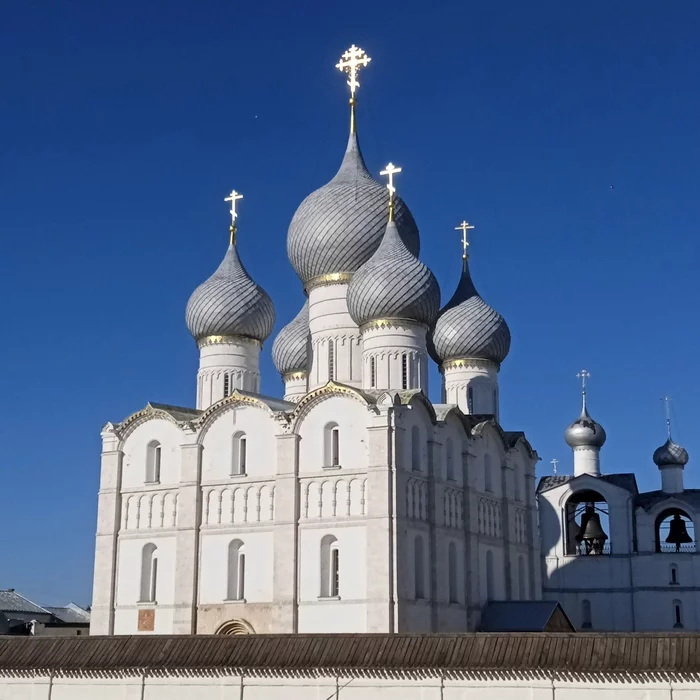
column 342, row 688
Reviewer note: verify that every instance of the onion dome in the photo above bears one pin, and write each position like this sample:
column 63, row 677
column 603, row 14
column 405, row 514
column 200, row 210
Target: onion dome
column 289, row 351
column 584, row 431
column 670, row 454
column 468, row 327
column 393, row 283
column 230, row 303
column 337, row 228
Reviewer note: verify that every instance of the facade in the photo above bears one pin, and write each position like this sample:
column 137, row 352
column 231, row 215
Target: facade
column 352, row 504
column 617, row 559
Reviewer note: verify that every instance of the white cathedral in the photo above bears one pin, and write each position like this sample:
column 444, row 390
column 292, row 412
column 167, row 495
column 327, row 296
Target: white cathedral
column 353, row 503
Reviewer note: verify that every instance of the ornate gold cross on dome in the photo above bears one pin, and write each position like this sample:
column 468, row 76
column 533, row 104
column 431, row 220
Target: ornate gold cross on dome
column 464, row 227
column 351, row 62
column 233, row 198
column 390, row 171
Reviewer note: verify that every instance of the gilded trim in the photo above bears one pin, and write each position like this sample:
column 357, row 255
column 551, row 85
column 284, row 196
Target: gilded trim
column 386, row 322
column 328, row 279
column 228, row 340
column 467, row 362
column 293, row 376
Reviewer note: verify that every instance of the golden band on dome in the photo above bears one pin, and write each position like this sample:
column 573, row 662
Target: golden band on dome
column 469, row 362
column 227, row 340
column 330, row 278
column 386, row 322
column 294, row 376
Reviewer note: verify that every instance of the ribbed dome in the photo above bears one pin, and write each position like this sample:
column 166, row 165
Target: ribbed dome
column 230, row 303
column 468, row 327
column 393, row 283
column 289, row 351
column 338, row 227
column 585, row 432
column 670, row 454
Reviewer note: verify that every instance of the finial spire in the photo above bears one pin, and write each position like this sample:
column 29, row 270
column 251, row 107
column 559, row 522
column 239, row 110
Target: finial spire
column 667, row 408
column 351, row 62
column 233, row 198
column 464, row 227
column 584, row 375
column 554, row 463
column 390, row 171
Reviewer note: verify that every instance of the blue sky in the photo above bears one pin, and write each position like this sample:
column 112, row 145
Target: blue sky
column 567, row 132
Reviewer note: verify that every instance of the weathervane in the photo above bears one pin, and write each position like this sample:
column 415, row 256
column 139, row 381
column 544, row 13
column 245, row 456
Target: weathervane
column 233, row 198
column 390, row 171
column 464, row 227
column 667, row 407
column 584, row 375
column 554, row 463
column 351, row 62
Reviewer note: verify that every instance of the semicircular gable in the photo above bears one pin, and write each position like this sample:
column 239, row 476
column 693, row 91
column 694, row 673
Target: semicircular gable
column 313, row 398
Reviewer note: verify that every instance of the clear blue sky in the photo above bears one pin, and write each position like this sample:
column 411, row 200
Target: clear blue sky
column 124, row 125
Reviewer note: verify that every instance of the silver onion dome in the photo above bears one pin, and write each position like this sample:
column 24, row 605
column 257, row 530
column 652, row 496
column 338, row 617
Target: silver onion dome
column 230, row 303
column 670, row 454
column 468, row 327
column 393, row 283
column 584, row 431
column 289, row 351
column 337, row 228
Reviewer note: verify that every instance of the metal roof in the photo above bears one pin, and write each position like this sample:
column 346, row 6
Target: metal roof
column 516, row 652
column 10, row 601
column 522, row 616
column 70, row 613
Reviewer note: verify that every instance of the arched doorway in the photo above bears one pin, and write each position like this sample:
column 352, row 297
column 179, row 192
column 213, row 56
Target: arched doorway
column 233, row 627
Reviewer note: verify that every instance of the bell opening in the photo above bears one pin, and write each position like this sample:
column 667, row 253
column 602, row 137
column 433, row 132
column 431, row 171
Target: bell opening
column 588, row 524
column 675, row 532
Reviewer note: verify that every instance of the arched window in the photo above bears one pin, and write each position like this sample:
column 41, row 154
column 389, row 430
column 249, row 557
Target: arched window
column 675, row 531
column 522, row 593
column 586, row 620
column 488, row 483
column 235, row 589
column 330, row 567
column 489, row 575
column 415, row 448
column 452, row 572
column 404, row 371
column 419, row 568
column 588, row 525
column 449, row 459
column 677, row 614
column 331, row 445
column 674, row 575
column 470, row 400
column 331, row 360
column 149, row 573
column 372, row 372
column 239, row 454
column 153, row 458
column 227, row 385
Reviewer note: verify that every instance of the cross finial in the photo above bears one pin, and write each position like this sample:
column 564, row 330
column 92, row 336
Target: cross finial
column 233, row 198
column 667, row 408
column 584, row 375
column 390, row 171
column 464, row 227
column 351, row 62
column 554, row 463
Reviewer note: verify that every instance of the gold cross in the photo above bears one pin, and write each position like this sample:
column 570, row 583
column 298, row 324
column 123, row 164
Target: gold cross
column 390, row 171
column 464, row 227
column 351, row 62
column 233, row 198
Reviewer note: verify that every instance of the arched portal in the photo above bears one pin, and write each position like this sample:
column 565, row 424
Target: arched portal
column 235, row 627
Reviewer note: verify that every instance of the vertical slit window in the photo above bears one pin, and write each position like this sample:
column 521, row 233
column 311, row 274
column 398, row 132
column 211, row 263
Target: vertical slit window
column 404, row 371
column 373, row 372
column 235, row 589
column 335, row 572
column 330, row 567
column 470, row 399
column 239, row 454
column 335, row 447
column 586, row 621
column 149, row 573
column 331, row 360
column 674, row 574
column 153, row 459
column 677, row 614
column 226, row 385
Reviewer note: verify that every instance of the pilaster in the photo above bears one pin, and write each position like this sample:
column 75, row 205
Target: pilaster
column 435, row 556
column 189, row 515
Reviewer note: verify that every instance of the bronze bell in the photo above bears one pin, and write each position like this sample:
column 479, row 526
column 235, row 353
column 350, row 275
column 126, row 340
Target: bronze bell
column 592, row 532
column 677, row 534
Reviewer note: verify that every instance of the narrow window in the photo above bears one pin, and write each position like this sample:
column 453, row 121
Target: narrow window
column 677, row 614
column 452, row 572
column 449, row 460
column 330, row 567
column 586, row 620
column 470, row 400
column 226, row 385
column 489, row 575
column 674, row 574
column 331, row 445
column 488, row 485
column 335, row 446
column 373, row 372
column 149, row 573
column 153, row 456
column 235, row 588
column 415, row 448
column 239, row 454
column 418, row 565
column 495, row 402
column 331, row 360
column 335, row 571
column 404, row 371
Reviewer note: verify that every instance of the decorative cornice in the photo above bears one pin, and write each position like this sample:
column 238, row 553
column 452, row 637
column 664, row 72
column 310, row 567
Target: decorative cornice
column 467, row 362
column 392, row 322
column 294, row 376
column 228, row 340
column 327, row 280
